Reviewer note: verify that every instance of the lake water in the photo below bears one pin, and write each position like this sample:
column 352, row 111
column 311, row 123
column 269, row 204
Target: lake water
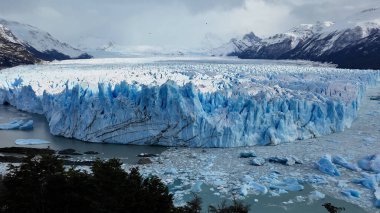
column 127, row 153
column 270, row 204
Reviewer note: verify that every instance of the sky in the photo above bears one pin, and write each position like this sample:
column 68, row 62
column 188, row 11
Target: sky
column 172, row 23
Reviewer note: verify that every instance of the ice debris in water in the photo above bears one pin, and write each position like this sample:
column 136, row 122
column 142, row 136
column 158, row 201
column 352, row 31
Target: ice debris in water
column 326, row 166
column 289, row 184
column 30, row 141
column 259, row 161
column 291, row 160
column 339, row 160
column 351, row 193
column 248, row 154
column 197, row 187
column 369, row 181
column 377, row 197
column 315, row 196
column 370, row 163
column 17, row 124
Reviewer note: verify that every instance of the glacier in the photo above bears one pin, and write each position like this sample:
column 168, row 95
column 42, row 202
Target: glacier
column 187, row 102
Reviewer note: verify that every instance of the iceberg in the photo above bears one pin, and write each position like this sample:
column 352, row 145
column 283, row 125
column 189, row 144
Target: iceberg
column 248, row 154
column 30, row 141
column 27, row 125
column 17, row 124
column 11, row 125
column 289, row 184
column 259, row 161
column 326, row 166
column 204, row 104
column 351, row 193
column 377, row 198
column 370, row 163
column 339, row 160
column 258, row 188
column 315, row 196
column 369, row 181
column 197, row 187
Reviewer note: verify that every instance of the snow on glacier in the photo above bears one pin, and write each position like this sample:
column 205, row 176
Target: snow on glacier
column 195, row 103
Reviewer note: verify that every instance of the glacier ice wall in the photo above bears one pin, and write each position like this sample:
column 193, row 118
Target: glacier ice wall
column 245, row 109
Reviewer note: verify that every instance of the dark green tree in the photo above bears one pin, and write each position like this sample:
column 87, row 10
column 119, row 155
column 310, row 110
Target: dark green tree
column 41, row 184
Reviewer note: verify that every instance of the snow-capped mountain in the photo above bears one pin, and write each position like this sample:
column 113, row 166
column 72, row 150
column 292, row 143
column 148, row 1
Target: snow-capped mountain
column 12, row 52
column 40, row 43
column 351, row 43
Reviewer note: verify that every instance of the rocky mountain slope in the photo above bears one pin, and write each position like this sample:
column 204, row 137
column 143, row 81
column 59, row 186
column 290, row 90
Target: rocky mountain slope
column 12, row 53
column 351, row 43
column 25, row 44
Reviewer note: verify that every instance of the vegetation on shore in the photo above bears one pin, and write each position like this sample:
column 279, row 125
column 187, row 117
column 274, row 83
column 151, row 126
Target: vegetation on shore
column 42, row 184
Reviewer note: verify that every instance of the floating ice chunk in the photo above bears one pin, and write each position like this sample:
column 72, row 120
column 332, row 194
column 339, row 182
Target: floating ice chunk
column 290, row 184
column 300, row 198
column 246, row 179
column 369, row 181
column 11, row 125
column 244, row 190
column 17, row 124
column 197, row 187
column 259, row 161
column 27, row 125
column 315, row 196
column 339, row 160
column 377, row 198
column 30, row 141
column 314, row 179
column 291, row 160
column 288, row 202
column 370, row 163
column 171, row 171
column 326, row 166
column 375, row 163
column 342, row 184
column 258, row 188
column 351, row 193
column 248, row 154
column 219, row 182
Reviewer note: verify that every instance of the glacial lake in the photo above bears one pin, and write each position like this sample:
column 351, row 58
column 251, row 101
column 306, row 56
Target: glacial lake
column 128, row 154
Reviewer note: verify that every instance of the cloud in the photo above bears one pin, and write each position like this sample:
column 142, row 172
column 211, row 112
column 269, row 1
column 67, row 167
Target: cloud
column 175, row 23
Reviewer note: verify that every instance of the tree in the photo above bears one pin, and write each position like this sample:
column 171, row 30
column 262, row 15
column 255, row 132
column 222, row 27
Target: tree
column 41, row 184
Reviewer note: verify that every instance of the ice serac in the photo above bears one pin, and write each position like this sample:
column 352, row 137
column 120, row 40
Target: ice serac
column 203, row 105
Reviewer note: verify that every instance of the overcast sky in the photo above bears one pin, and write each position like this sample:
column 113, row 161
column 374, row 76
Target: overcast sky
column 172, row 23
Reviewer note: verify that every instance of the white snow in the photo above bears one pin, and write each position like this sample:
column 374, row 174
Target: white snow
column 5, row 33
column 30, row 141
column 363, row 23
column 38, row 39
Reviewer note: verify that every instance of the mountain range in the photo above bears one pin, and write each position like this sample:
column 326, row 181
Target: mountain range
column 350, row 43
column 25, row 44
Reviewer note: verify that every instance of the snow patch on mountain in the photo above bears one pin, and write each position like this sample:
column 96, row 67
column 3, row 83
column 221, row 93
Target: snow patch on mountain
column 6, row 34
column 357, row 37
column 38, row 39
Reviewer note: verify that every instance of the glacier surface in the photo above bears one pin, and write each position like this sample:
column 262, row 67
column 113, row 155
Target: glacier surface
column 187, row 102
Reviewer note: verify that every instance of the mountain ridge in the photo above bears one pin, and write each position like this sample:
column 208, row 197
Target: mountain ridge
column 356, row 38
column 26, row 44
